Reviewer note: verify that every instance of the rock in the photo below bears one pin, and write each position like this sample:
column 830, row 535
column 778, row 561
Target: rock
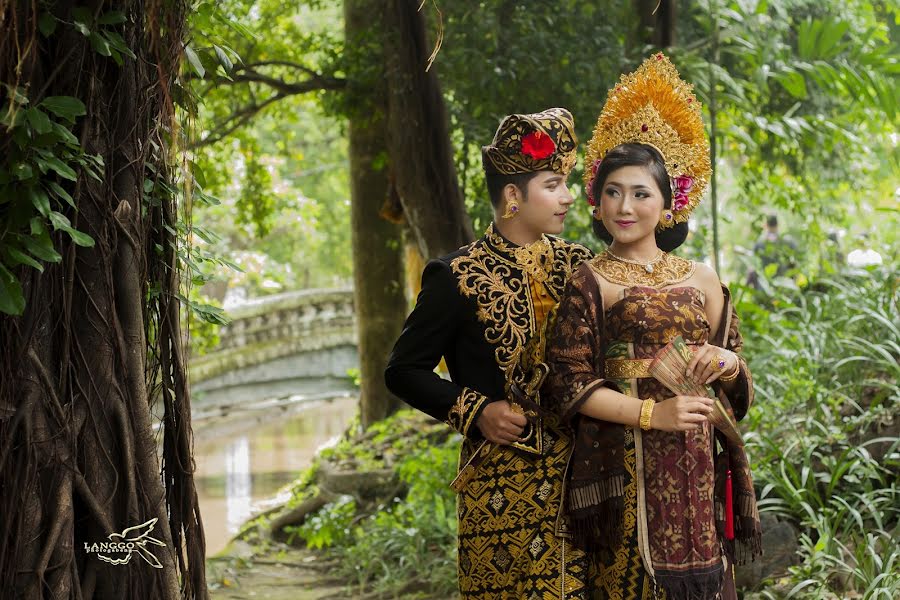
column 363, row 484
column 779, row 543
column 241, row 549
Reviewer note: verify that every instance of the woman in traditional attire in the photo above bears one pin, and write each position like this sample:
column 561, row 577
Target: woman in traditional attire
column 661, row 500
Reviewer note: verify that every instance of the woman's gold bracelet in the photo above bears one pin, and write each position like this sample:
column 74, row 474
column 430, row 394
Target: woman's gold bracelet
column 646, row 413
column 733, row 375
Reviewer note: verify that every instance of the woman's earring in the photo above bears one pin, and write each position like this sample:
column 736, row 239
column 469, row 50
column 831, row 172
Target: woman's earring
column 512, row 209
column 665, row 219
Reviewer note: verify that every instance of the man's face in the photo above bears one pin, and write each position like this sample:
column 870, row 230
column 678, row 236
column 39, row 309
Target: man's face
column 547, row 202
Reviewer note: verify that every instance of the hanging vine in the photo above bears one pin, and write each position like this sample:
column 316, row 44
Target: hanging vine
column 91, row 260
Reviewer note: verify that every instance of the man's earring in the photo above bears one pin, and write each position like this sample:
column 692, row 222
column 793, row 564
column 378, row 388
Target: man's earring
column 512, row 209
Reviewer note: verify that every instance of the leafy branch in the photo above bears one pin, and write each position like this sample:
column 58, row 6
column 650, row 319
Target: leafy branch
column 283, row 88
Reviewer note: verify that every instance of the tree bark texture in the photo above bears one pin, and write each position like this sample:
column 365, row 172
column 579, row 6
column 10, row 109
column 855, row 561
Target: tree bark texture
column 656, row 22
column 421, row 155
column 379, row 298
column 96, row 359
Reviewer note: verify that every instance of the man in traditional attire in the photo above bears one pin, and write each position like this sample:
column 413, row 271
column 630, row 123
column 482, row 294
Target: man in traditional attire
column 483, row 309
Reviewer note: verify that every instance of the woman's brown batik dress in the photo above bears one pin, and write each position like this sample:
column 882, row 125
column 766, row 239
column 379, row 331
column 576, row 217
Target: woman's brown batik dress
column 647, row 504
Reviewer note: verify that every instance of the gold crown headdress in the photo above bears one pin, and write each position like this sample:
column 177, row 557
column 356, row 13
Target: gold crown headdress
column 654, row 106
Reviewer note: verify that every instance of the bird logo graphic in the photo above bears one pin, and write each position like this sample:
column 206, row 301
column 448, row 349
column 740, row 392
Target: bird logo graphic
column 133, row 540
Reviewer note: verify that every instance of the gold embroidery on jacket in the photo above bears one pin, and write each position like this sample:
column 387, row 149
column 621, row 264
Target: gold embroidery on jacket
column 491, row 273
column 566, row 258
column 463, row 410
column 534, row 259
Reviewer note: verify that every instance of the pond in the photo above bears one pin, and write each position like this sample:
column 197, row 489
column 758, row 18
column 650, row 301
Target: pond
column 244, row 460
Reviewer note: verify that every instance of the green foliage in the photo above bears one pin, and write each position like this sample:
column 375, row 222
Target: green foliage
column 355, row 376
column 37, row 173
column 191, row 258
column 414, row 540
column 805, row 96
column 329, row 527
column 825, row 364
column 274, row 157
column 499, row 58
column 385, row 442
column 407, row 543
column 98, row 29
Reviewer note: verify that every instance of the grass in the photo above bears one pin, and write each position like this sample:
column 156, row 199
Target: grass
column 822, row 434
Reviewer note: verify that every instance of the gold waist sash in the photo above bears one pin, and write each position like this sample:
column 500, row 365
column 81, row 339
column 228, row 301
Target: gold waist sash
column 627, row 368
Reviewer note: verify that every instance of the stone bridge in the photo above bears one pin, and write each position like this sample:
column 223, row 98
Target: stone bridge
column 296, row 346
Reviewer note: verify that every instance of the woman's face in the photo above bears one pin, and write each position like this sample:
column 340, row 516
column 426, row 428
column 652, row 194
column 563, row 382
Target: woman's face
column 630, row 204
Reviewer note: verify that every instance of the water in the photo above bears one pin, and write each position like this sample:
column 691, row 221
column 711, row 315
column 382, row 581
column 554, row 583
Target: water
column 244, row 460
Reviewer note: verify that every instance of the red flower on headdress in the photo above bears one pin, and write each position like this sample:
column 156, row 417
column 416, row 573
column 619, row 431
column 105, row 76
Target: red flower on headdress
column 681, row 185
column 538, row 145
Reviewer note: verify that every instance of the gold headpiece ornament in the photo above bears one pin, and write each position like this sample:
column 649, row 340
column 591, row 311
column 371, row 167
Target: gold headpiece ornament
column 654, row 106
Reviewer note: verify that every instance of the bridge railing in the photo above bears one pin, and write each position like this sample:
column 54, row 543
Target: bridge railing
column 273, row 327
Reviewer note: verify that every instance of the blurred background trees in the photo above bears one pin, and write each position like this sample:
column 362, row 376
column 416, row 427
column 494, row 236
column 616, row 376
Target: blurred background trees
column 330, row 143
column 800, row 100
column 805, row 96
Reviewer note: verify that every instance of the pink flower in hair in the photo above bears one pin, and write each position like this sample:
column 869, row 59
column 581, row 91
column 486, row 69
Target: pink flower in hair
column 681, row 185
column 590, row 184
column 684, row 183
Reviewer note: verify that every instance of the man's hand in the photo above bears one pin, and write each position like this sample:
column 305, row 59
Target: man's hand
column 499, row 424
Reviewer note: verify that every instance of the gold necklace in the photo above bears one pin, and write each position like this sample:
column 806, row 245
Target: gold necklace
column 648, row 266
column 667, row 270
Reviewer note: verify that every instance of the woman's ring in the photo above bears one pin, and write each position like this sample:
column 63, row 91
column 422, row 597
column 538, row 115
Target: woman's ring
column 718, row 363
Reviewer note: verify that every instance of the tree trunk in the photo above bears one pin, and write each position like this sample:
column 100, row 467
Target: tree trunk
column 81, row 368
column 421, row 155
column 656, row 22
column 379, row 299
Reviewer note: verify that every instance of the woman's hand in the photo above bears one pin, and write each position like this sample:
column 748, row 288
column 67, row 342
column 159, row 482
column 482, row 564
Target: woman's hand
column 711, row 362
column 681, row 413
